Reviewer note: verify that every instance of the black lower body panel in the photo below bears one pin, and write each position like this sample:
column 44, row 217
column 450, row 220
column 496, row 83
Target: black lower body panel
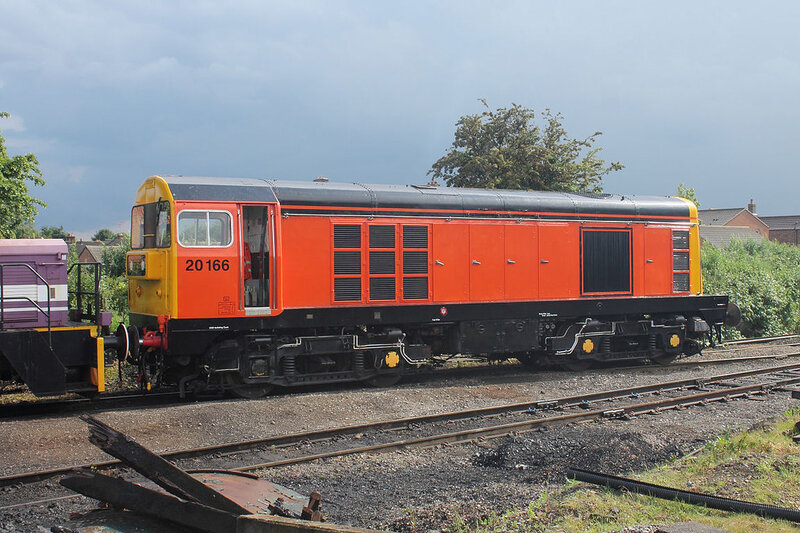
column 192, row 336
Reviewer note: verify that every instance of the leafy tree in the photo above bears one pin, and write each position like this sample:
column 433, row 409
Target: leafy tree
column 507, row 149
column 104, row 234
column 114, row 258
column 688, row 193
column 53, row 232
column 17, row 207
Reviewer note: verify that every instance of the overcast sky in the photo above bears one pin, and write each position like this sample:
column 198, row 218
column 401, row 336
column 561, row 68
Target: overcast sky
column 108, row 93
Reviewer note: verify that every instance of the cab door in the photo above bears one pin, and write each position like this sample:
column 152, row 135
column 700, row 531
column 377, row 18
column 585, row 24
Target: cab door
column 257, row 254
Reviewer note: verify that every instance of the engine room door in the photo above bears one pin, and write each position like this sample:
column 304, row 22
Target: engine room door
column 257, row 244
column 559, row 261
column 657, row 261
column 522, row 262
column 487, row 262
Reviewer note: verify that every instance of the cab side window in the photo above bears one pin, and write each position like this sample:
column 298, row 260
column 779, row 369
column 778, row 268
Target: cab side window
column 204, row 229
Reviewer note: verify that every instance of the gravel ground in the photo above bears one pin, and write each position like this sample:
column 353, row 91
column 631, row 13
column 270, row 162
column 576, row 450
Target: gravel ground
column 415, row 490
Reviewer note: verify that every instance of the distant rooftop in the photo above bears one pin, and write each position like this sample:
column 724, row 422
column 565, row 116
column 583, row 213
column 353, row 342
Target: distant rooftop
column 718, row 217
column 721, row 236
column 782, row 221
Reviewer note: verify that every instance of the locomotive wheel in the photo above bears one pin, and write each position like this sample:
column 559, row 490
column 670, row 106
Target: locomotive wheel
column 664, row 358
column 576, row 365
column 386, row 379
column 531, row 361
column 250, row 391
column 383, row 380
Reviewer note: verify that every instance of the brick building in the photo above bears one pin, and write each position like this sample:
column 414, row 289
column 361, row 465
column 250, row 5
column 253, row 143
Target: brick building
column 736, row 217
column 784, row 229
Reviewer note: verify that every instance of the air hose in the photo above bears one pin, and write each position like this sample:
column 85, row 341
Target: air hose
column 694, row 498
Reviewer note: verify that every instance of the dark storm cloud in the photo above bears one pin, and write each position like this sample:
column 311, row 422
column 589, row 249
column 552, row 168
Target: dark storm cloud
column 109, row 93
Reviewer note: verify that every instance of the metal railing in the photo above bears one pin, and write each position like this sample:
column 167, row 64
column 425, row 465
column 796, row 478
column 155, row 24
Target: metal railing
column 79, row 293
column 4, row 298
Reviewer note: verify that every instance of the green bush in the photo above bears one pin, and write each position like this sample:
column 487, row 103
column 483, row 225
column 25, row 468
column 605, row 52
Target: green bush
column 762, row 278
column 114, row 284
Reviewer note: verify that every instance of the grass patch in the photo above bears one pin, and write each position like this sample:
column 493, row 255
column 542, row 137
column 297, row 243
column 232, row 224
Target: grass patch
column 760, row 465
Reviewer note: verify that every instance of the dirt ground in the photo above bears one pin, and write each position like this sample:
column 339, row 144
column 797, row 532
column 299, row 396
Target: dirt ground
column 414, row 490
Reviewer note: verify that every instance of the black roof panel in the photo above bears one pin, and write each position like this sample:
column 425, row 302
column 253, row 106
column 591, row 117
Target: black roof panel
column 403, row 197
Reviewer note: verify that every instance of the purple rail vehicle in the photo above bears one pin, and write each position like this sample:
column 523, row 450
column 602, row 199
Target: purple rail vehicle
column 33, row 283
column 43, row 343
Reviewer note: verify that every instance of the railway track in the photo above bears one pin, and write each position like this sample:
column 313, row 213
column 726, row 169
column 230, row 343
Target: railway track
column 137, row 400
column 452, row 427
column 130, row 400
column 757, row 340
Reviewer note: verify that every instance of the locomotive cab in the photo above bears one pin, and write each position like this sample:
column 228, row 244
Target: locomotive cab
column 201, row 261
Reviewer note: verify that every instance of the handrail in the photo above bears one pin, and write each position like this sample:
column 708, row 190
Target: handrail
column 3, row 298
column 79, row 292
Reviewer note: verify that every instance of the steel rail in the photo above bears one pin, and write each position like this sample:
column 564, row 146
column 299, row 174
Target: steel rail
column 529, row 425
column 671, row 385
column 756, row 340
column 136, row 400
column 487, row 432
column 694, row 498
column 386, row 425
column 736, row 359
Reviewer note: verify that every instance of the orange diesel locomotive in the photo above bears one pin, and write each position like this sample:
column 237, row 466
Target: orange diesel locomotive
column 245, row 284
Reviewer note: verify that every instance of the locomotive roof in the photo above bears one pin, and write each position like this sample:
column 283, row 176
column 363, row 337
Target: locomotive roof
column 374, row 196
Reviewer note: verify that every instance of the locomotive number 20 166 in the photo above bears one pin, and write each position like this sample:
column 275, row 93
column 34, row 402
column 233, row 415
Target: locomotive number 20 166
column 212, row 265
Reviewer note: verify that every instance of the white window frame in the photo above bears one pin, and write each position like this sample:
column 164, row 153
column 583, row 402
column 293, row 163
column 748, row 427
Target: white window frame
column 208, row 227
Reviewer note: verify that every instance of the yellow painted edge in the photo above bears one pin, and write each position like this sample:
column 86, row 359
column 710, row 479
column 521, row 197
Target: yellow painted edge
column 101, row 364
column 695, row 271
column 161, row 188
column 90, row 327
column 171, row 269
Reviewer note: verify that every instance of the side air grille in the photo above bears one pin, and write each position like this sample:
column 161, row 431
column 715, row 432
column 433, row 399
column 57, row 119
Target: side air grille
column 681, row 279
column 680, row 261
column 381, row 262
column 381, row 288
column 346, row 236
column 680, row 240
column 680, row 282
column 415, row 262
column 415, row 236
column 381, row 236
column 415, row 288
column 347, row 289
column 346, row 263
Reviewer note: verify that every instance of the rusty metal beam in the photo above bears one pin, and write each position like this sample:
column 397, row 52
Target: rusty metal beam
column 156, row 468
column 127, row 495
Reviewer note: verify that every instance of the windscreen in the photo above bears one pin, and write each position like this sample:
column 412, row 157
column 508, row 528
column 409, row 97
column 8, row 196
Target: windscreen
column 151, row 226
